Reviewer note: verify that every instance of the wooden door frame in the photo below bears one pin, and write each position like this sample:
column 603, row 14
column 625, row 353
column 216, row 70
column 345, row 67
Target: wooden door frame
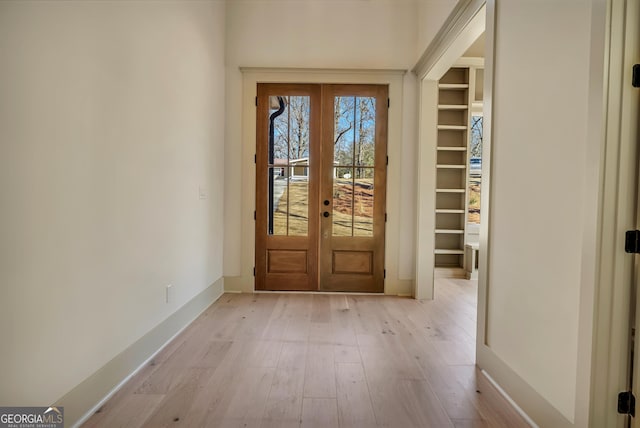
column 243, row 280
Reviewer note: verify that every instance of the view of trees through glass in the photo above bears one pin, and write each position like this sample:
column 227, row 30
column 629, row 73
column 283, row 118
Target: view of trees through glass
column 354, row 160
column 289, row 165
column 475, row 169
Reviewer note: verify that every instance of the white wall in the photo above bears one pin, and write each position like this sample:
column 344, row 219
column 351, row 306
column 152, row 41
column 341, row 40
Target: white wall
column 431, row 15
column 539, row 151
column 111, row 118
column 350, row 34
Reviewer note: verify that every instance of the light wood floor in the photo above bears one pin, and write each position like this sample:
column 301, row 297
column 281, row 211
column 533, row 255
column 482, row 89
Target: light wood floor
column 310, row 360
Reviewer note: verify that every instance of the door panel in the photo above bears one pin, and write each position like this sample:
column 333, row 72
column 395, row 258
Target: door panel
column 287, row 171
column 353, row 188
column 321, row 187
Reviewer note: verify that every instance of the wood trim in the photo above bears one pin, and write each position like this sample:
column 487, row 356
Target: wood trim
column 462, row 15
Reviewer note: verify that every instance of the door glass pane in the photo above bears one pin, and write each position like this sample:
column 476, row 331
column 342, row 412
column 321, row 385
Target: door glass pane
column 343, row 205
column 278, row 206
column 288, row 158
column 343, row 125
column 299, row 201
column 354, row 125
column 475, row 169
column 363, row 203
column 364, row 146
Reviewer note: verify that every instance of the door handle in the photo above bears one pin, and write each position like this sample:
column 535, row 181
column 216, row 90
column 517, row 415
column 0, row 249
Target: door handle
column 326, row 202
column 326, row 214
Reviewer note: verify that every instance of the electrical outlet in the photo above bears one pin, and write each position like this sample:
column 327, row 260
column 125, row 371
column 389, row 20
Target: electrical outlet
column 168, row 293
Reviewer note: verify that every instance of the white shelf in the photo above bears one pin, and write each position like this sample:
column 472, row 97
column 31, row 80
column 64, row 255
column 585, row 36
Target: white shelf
column 448, row 211
column 451, row 231
column 452, row 107
column 453, row 149
column 452, row 127
column 456, row 86
column 450, row 190
column 443, row 166
column 440, row 251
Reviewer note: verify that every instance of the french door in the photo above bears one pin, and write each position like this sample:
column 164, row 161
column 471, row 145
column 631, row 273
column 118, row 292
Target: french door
column 321, row 187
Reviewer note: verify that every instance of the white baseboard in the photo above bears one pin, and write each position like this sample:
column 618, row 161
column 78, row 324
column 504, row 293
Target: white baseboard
column 510, row 400
column 87, row 397
column 531, row 405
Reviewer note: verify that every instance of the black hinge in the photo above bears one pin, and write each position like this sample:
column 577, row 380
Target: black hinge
column 255, row 158
column 632, row 241
column 385, row 217
column 627, row 403
column 635, row 78
column 387, row 160
column 256, row 101
column 254, row 215
column 384, row 273
column 388, row 102
column 254, row 271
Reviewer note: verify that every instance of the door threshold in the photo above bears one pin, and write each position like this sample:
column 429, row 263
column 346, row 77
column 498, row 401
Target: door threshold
column 351, row 293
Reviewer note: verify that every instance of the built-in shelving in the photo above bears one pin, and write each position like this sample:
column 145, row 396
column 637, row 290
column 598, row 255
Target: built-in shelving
column 454, row 108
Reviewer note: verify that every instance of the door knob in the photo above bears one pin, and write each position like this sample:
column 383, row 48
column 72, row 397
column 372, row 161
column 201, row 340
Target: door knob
column 326, row 213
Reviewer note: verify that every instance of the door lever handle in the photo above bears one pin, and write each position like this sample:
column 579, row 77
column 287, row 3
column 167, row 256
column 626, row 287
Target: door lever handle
column 326, row 214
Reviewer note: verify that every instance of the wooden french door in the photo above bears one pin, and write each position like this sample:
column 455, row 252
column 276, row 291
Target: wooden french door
column 321, row 159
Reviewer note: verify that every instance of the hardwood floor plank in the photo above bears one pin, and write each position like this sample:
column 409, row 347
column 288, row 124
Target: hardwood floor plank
column 177, row 402
column 284, row 405
column 341, row 323
column 319, row 413
column 293, row 355
column 298, row 318
column 191, row 354
column 407, row 403
column 469, row 423
column 320, row 378
column 346, row 354
column 354, row 402
column 249, row 395
column 132, row 412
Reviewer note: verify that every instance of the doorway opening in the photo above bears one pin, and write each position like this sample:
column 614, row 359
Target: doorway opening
column 321, row 156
